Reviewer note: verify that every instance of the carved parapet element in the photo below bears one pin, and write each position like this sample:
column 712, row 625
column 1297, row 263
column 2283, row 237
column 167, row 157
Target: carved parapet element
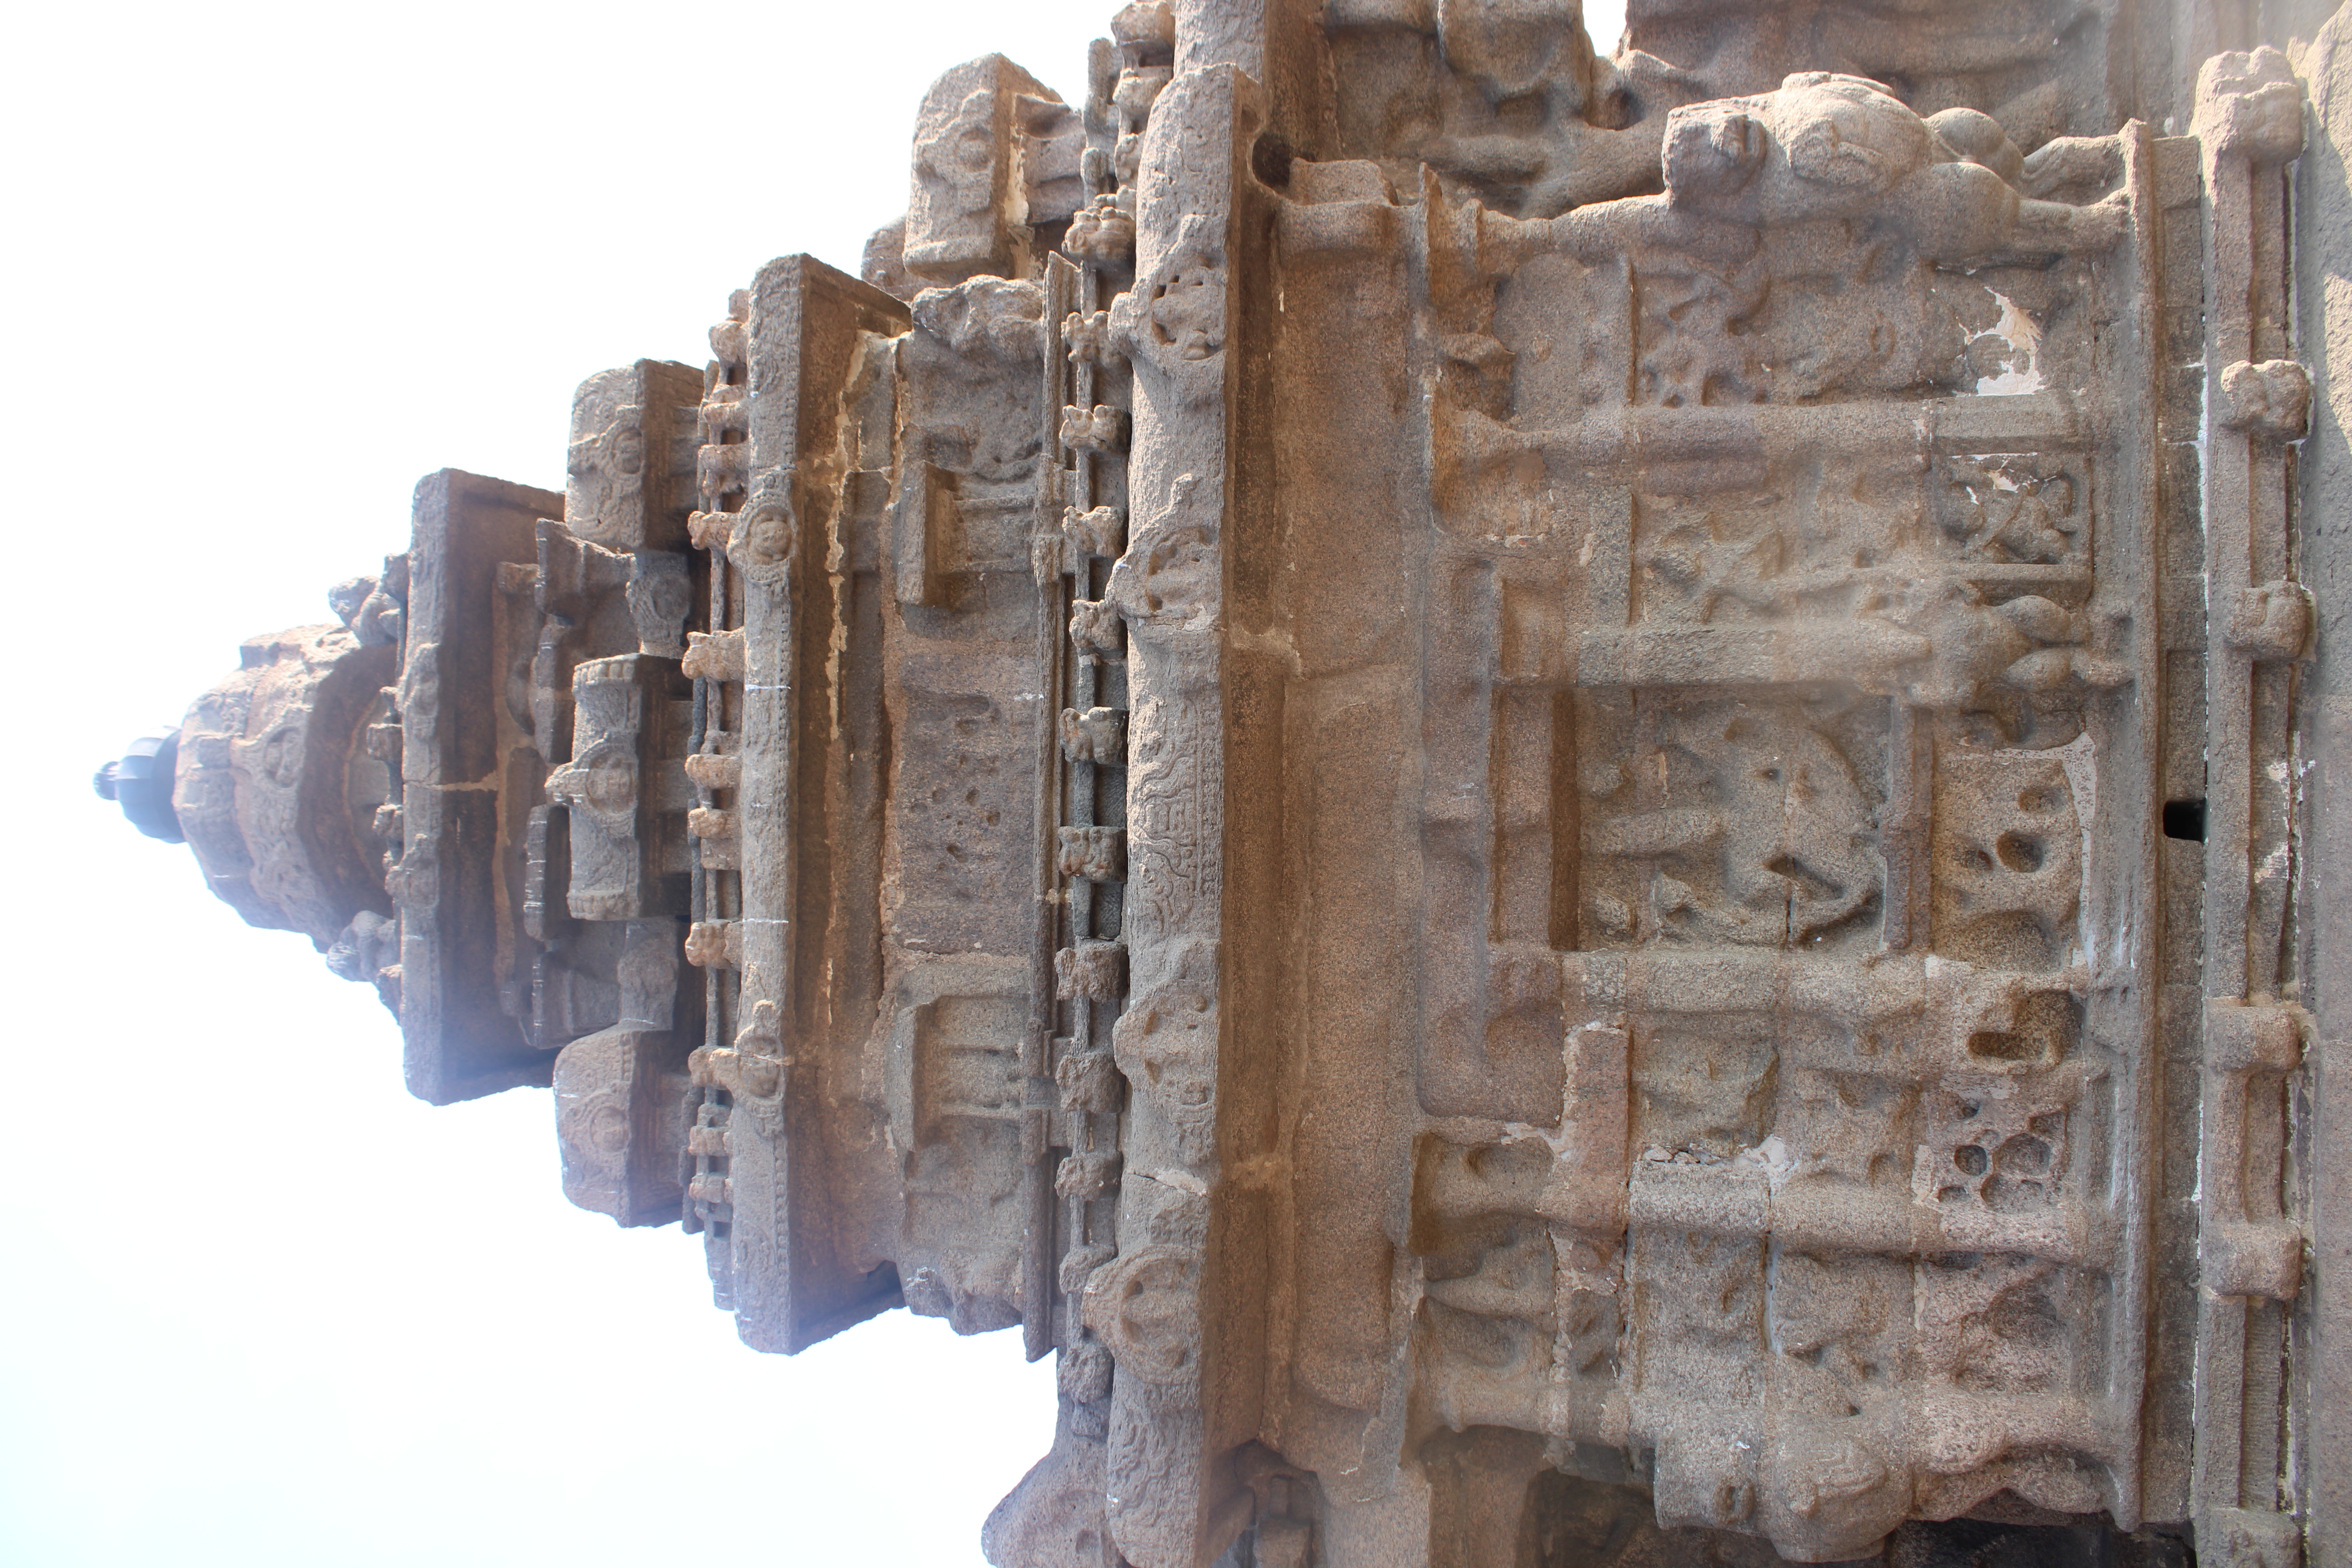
column 471, row 1003
column 621, row 1094
column 995, row 153
column 631, row 473
column 435, row 832
column 623, row 789
column 775, row 785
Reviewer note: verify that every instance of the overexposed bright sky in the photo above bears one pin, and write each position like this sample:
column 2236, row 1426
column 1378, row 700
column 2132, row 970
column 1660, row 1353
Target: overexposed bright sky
column 264, row 267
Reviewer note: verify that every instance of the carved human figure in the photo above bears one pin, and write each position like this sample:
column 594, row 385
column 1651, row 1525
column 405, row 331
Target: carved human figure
column 1532, row 60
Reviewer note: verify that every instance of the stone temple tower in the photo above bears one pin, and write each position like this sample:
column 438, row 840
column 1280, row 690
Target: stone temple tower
column 1578, row 808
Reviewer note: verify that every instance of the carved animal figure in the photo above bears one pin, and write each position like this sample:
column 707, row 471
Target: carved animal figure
column 1826, row 148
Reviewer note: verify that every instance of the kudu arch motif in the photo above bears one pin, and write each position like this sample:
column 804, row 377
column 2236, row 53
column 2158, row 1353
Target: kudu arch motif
column 1445, row 753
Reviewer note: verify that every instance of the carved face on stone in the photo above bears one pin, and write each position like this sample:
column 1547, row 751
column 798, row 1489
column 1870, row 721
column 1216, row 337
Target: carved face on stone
column 765, row 538
column 1145, row 1307
column 659, row 601
column 604, row 782
column 605, row 468
column 2252, row 102
column 1846, row 132
column 594, row 1138
column 1167, row 1044
column 958, row 160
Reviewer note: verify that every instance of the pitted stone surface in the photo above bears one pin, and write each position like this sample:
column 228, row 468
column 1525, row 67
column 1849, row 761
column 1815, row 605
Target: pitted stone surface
column 1552, row 796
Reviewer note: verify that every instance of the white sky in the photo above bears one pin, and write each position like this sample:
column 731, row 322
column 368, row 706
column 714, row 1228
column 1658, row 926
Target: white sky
column 264, row 267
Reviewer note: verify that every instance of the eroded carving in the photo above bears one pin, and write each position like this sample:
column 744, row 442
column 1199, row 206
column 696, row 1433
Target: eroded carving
column 1451, row 753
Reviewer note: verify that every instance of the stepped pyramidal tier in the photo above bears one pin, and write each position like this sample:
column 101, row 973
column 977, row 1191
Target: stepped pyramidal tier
column 1579, row 810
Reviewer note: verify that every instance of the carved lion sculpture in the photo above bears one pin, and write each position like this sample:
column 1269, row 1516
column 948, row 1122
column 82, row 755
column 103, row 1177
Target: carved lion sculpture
column 1825, row 147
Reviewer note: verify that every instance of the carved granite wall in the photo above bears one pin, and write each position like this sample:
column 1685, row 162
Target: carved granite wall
column 1576, row 808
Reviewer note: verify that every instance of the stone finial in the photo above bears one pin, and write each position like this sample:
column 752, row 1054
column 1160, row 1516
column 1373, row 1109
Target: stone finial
column 141, row 782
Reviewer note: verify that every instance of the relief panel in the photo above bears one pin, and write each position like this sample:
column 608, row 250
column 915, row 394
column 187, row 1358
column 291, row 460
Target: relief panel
column 1712, row 817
